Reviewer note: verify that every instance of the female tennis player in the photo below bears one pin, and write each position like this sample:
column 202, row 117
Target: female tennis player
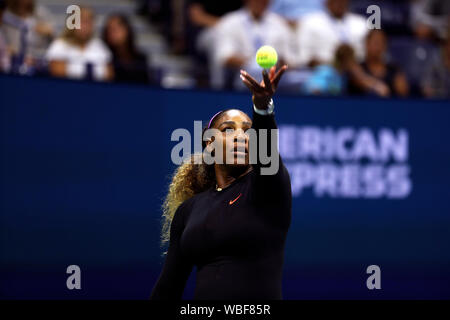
column 229, row 220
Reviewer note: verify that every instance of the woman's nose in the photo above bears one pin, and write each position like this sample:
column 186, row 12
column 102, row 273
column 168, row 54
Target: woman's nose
column 240, row 135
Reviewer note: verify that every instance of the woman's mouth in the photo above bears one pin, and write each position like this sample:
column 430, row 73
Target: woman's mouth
column 240, row 150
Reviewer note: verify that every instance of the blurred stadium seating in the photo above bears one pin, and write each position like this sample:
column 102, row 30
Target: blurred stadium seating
column 170, row 70
column 173, row 61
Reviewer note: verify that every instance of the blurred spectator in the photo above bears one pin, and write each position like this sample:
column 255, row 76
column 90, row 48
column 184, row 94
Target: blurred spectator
column 129, row 64
column 429, row 18
column 328, row 79
column 4, row 52
column 336, row 79
column 240, row 34
column 78, row 54
column 376, row 66
column 176, row 25
column 319, row 34
column 293, row 11
column 204, row 15
column 436, row 80
column 28, row 31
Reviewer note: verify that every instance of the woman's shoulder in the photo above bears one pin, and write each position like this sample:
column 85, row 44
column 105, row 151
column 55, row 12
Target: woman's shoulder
column 191, row 201
column 97, row 44
column 59, row 42
column 58, row 49
column 99, row 49
column 185, row 208
column 188, row 204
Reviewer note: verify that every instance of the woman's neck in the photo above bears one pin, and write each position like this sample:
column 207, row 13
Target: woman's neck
column 374, row 60
column 376, row 67
column 226, row 174
column 82, row 44
column 123, row 53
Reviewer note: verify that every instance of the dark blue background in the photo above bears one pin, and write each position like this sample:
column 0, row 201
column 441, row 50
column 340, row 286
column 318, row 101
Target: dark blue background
column 85, row 168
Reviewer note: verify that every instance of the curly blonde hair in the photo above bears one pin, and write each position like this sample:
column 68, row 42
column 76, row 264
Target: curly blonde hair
column 191, row 177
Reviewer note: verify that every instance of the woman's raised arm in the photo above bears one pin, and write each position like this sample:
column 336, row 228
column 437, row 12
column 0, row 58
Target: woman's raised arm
column 273, row 182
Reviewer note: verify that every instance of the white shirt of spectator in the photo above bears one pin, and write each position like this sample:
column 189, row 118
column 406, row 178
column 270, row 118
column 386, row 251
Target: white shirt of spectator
column 76, row 58
column 319, row 34
column 236, row 33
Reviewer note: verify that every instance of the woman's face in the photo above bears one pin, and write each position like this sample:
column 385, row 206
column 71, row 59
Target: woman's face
column 235, row 141
column 86, row 26
column 116, row 32
column 376, row 45
column 25, row 4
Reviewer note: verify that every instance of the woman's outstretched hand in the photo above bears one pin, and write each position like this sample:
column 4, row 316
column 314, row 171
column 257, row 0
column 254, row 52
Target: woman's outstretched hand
column 263, row 91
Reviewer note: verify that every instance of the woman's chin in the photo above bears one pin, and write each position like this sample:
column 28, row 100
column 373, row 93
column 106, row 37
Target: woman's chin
column 240, row 158
column 240, row 161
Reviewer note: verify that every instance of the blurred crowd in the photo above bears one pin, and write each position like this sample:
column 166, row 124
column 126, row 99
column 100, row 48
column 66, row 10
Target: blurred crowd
column 329, row 45
column 30, row 45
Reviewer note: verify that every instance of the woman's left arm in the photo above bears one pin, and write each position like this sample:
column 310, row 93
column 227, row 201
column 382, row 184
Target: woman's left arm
column 273, row 180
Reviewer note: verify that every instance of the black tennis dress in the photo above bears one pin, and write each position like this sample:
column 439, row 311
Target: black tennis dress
column 235, row 237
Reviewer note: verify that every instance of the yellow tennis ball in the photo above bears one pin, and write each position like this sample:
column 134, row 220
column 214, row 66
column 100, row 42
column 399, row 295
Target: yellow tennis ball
column 266, row 57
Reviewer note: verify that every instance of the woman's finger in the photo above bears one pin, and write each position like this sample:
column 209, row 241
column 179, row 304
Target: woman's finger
column 251, row 80
column 278, row 75
column 252, row 88
column 247, row 84
column 272, row 73
column 267, row 83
